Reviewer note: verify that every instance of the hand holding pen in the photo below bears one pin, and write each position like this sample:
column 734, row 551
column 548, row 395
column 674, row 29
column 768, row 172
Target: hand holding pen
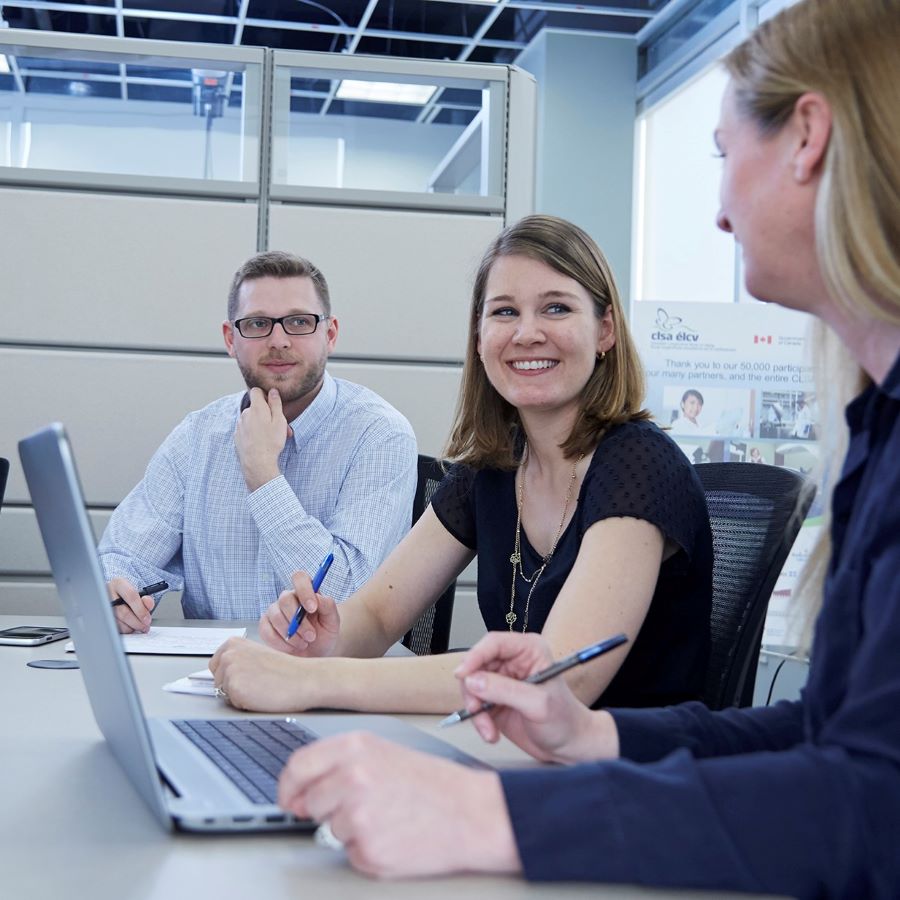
column 133, row 607
column 318, row 578
column 511, row 678
column 303, row 605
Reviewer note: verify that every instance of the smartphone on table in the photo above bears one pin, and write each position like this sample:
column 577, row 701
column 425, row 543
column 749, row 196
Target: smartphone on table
column 31, row 635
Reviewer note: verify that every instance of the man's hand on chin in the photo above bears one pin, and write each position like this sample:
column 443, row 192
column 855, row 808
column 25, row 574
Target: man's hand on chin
column 260, row 436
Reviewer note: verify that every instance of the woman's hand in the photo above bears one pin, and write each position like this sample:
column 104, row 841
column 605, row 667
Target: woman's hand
column 318, row 632
column 400, row 813
column 253, row 677
column 547, row 721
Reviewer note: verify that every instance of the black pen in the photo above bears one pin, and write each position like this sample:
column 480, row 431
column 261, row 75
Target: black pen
column 146, row 591
column 576, row 659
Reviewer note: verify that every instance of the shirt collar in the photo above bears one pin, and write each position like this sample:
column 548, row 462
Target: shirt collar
column 891, row 385
column 316, row 414
column 857, row 408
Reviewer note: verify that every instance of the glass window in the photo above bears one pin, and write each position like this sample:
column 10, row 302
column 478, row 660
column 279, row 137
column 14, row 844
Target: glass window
column 771, row 7
column 386, row 132
column 124, row 114
column 680, row 33
column 680, row 253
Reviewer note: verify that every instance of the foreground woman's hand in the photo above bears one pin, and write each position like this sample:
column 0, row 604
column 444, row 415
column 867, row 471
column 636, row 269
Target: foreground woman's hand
column 547, row 720
column 400, row 813
column 318, row 632
column 256, row 678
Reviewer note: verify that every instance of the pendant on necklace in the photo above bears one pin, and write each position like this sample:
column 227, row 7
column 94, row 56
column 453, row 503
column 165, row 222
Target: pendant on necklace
column 511, row 618
column 515, row 559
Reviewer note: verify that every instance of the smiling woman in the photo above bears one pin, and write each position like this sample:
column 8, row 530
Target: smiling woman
column 587, row 520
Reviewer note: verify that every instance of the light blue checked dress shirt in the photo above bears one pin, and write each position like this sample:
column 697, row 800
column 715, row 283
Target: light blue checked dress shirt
column 347, row 485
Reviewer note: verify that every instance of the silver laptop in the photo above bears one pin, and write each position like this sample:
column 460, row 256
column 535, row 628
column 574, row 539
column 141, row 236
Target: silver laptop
column 196, row 775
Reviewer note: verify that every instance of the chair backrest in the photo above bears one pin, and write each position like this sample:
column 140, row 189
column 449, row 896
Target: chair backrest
column 431, row 632
column 755, row 512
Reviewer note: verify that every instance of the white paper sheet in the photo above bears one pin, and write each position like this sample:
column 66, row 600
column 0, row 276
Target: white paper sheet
column 189, row 686
column 168, row 640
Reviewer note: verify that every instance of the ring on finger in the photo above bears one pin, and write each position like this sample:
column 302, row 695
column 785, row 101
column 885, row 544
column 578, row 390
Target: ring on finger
column 220, row 692
column 325, row 837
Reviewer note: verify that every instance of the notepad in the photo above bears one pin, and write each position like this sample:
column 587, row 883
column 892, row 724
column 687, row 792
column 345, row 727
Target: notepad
column 201, row 683
column 174, row 641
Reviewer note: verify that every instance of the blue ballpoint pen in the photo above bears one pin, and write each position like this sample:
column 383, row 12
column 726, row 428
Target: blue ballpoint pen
column 576, row 659
column 318, row 578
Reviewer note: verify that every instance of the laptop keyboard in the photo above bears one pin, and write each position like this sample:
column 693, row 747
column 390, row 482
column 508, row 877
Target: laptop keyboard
column 250, row 752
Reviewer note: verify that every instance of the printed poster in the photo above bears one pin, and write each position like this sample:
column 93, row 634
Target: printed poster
column 732, row 383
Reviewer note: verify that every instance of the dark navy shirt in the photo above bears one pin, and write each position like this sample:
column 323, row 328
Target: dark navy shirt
column 800, row 798
column 636, row 471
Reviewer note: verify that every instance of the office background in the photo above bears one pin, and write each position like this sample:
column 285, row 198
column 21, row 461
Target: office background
column 128, row 201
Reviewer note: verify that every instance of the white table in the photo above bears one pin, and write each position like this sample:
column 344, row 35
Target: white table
column 71, row 826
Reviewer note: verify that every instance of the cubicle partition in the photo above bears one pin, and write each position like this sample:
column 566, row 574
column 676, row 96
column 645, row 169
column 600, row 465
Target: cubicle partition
column 136, row 176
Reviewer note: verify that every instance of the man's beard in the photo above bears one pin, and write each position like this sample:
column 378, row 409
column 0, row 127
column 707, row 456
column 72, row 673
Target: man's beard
column 310, row 381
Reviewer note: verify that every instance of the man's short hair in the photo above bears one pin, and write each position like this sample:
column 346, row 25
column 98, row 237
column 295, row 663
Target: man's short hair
column 277, row 264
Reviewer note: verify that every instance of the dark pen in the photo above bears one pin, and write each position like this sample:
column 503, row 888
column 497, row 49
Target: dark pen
column 146, row 591
column 318, row 578
column 576, row 659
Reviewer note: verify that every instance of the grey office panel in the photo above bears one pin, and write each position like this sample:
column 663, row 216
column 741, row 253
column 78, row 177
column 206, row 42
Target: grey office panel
column 119, row 271
column 400, row 281
column 118, row 407
column 21, row 548
column 425, row 394
column 29, row 598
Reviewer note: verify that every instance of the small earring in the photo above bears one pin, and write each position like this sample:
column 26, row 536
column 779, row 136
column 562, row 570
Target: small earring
column 601, row 356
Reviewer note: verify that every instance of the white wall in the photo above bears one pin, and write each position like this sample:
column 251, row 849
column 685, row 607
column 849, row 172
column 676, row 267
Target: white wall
column 586, row 103
column 374, row 154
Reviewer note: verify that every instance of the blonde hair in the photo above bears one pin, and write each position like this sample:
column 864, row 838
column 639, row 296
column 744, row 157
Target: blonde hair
column 486, row 427
column 848, row 53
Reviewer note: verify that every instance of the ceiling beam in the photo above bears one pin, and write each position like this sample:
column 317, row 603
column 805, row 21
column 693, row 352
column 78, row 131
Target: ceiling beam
column 351, row 48
column 431, row 109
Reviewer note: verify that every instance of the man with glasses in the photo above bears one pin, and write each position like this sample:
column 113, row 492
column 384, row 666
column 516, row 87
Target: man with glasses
column 256, row 486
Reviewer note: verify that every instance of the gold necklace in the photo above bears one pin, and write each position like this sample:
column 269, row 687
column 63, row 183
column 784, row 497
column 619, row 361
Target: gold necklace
column 516, row 557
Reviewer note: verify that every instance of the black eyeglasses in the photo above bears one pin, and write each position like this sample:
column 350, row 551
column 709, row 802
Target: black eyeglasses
column 261, row 326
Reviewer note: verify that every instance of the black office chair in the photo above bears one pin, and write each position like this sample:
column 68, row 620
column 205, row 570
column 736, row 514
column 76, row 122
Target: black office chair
column 431, row 633
column 4, row 473
column 755, row 513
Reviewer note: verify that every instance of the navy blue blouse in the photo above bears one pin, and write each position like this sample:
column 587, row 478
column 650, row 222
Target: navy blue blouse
column 799, row 798
column 636, row 471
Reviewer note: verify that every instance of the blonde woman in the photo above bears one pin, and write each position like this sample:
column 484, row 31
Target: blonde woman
column 586, row 518
column 799, row 799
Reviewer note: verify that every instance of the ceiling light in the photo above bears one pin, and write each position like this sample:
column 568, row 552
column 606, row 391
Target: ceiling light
column 385, row 92
column 4, row 65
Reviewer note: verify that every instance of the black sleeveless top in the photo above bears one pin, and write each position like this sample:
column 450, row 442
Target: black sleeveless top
column 637, row 471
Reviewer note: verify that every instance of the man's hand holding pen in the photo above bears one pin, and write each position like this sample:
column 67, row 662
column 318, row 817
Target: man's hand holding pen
column 133, row 607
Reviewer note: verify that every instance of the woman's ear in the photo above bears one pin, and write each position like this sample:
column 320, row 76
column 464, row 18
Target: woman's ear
column 606, row 337
column 812, row 122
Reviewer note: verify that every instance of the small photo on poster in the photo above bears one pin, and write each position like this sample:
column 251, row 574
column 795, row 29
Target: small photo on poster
column 801, row 457
column 728, row 412
column 788, row 414
column 752, row 451
column 701, row 451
